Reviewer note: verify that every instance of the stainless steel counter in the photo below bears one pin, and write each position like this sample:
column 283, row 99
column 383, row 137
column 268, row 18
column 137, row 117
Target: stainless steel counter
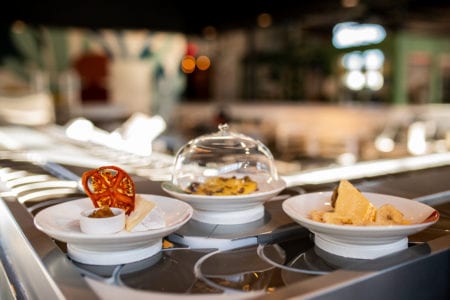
column 35, row 266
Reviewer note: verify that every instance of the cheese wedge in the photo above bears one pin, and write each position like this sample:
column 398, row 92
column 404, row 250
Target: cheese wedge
column 141, row 210
column 351, row 205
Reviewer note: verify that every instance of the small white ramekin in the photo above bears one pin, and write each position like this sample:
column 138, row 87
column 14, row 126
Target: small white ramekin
column 106, row 225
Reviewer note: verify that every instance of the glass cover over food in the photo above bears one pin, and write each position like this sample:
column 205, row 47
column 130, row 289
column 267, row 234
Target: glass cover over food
column 223, row 154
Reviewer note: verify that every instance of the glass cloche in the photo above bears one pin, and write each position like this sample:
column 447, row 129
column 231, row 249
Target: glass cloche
column 224, row 154
column 225, row 176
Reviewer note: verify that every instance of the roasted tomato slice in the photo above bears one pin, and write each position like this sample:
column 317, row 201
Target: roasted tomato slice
column 111, row 186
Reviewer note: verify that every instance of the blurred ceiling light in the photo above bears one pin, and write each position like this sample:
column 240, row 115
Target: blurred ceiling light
column 373, row 59
column 353, row 61
column 264, row 20
column 384, row 144
column 349, row 3
column 188, row 64
column 374, row 80
column 355, row 80
column 417, row 143
column 352, row 34
column 203, row 62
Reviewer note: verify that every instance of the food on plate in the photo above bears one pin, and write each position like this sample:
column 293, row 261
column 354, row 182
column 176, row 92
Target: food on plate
column 351, row 207
column 223, row 186
column 110, row 186
column 387, row 214
column 103, row 220
column 102, row 212
column 167, row 244
column 145, row 216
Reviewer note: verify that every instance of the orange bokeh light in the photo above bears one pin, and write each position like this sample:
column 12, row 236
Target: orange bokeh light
column 188, row 64
column 203, row 62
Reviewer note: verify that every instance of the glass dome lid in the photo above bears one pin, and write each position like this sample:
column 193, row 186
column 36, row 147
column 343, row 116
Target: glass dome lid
column 223, row 154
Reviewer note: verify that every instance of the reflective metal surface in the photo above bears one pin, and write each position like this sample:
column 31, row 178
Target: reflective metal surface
column 270, row 258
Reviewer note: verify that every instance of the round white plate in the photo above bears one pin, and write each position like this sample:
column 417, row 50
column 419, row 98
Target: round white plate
column 364, row 242
column 61, row 222
column 226, row 203
column 228, row 209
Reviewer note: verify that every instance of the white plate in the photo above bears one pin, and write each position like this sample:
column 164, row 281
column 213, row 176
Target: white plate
column 61, row 222
column 228, row 209
column 360, row 241
column 227, row 203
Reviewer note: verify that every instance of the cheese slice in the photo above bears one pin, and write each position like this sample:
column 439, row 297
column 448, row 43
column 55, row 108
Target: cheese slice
column 353, row 208
column 142, row 209
column 352, row 205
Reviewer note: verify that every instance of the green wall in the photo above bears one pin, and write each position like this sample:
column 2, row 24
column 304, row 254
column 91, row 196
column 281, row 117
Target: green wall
column 406, row 43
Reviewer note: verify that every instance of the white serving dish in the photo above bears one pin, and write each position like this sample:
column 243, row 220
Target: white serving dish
column 364, row 242
column 62, row 222
column 227, row 210
column 101, row 226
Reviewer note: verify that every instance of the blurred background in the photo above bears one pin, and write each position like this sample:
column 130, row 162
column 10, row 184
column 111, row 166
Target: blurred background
column 320, row 82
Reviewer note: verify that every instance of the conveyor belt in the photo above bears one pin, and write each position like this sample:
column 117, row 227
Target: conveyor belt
column 184, row 270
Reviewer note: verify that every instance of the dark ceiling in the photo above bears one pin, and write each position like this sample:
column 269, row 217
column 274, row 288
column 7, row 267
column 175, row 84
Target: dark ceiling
column 191, row 17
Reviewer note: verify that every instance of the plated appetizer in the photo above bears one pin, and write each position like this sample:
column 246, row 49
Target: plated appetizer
column 111, row 187
column 351, row 207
